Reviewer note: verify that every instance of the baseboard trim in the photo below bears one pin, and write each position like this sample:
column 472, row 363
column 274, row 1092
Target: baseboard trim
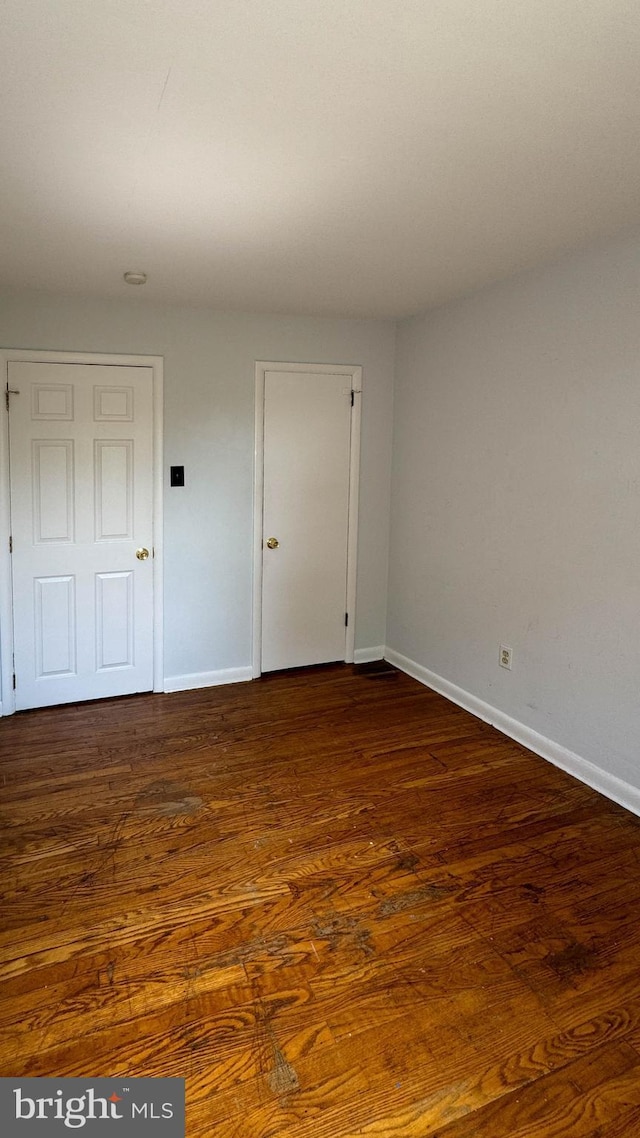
column 368, row 655
column 598, row 779
column 207, row 679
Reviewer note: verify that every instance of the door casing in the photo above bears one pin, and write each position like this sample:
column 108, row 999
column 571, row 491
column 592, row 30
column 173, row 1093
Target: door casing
column 352, row 373
column 7, row 703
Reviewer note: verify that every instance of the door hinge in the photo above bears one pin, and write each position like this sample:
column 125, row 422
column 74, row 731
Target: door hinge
column 9, row 391
column 346, row 620
column 14, row 681
column 10, row 544
column 353, row 397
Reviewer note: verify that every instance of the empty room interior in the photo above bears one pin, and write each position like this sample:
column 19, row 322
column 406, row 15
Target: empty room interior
column 320, row 568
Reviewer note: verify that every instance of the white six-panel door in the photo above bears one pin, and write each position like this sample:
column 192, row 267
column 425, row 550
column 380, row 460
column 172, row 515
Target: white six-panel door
column 81, row 507
column 307, row 427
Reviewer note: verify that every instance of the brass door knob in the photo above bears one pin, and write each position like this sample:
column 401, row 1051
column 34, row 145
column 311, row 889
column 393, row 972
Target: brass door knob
column 142, row 554
column 272, row 543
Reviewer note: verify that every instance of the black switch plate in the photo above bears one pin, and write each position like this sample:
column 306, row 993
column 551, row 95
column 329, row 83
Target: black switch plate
column 177, row 475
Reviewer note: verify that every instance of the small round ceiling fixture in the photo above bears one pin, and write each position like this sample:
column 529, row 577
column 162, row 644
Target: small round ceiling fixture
column 135, row 278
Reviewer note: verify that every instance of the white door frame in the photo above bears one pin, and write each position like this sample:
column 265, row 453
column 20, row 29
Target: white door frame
column 354, row 373
column 19, row 355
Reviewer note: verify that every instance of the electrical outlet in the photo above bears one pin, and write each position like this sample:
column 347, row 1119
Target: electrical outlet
column 506, row 656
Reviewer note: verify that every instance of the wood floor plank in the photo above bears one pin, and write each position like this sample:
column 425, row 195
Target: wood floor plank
column 336, row 905
column 589, row 1093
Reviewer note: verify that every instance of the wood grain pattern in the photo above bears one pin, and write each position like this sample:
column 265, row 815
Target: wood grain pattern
column 335, row 903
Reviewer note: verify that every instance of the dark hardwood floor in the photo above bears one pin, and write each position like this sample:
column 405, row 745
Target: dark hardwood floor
column 334, row 902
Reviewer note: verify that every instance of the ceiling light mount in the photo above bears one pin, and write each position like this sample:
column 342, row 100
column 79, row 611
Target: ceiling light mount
column 135, row 278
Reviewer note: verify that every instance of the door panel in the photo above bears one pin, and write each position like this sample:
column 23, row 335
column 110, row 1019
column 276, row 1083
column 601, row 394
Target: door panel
column 55, row 630
column 307, row 424
column 53, row 478
column 81, row 503
column 114, row 620
column 113, row 474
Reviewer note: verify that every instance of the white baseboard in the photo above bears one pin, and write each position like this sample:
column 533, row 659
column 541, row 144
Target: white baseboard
column 598, row 779
column 207, row 679
column 367, row 655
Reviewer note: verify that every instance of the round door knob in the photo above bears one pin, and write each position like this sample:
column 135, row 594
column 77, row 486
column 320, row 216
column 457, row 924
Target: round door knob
column 142, row 554
column 272, row 543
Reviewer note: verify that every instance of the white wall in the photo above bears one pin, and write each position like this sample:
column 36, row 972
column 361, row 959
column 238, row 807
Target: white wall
column 516, row 500
column 209, row 426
